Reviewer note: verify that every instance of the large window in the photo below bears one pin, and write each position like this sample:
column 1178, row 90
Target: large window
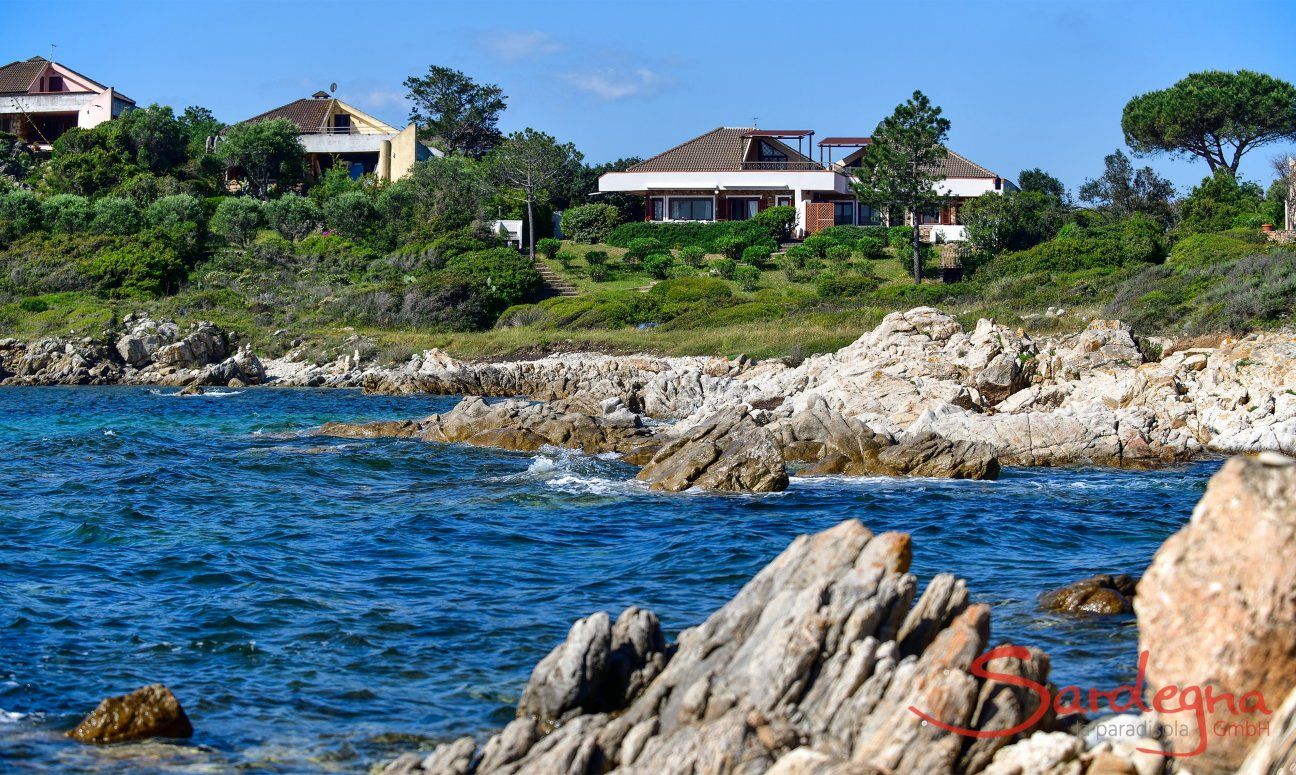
column 843, row 213
column 869, row 216
column 928, row 217
column 342, row 123
column 769, row 152
column 692, row 209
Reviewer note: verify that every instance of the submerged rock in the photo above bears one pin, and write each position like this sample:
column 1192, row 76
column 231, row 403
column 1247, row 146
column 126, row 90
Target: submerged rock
column 1218, row 604
column 151, row 711
column 1100, row 594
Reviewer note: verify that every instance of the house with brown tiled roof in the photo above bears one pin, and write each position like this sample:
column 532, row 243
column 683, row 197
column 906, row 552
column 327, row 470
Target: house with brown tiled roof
column 334, row 132
column 40, row 100
column 732, row 173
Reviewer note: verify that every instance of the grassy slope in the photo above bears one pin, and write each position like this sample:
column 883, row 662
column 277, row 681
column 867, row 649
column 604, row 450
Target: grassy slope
column 800, row 333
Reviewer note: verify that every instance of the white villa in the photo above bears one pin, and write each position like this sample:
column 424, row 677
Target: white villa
column 40, row 100
column 335, row 132
column 732, row 173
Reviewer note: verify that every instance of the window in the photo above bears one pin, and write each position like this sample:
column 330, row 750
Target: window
column 869, row 216
column 656, row 209
column 692, row 209
column 770, row 153
column 742, row 209
column 55, row 83
column 342, row 123
column 928, row 217
column 782, row 201
column 843, row 213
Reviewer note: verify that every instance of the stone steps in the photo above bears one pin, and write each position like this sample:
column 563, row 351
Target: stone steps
column 554, row 281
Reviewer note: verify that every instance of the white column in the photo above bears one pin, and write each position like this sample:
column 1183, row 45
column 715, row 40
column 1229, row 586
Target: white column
column 801, row 211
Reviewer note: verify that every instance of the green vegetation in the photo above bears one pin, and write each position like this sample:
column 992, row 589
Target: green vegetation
column 136, row 214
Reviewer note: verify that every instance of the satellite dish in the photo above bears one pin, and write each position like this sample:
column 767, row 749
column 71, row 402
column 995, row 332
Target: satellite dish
column 333, row 87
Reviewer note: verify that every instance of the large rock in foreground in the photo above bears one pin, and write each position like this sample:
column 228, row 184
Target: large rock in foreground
column 151, row 711
column 1217, row 606
column 813, row 666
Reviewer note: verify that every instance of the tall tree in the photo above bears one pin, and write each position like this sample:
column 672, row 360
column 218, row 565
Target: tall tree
column 899, row 169
column 1041, row 182
column 197, row 124
column 1215, row 115
column 267, row 152
column 532, row 162
column 455, row 110
column 1123, row 191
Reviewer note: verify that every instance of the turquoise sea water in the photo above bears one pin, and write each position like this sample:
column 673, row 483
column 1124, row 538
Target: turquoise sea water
column 322, row 604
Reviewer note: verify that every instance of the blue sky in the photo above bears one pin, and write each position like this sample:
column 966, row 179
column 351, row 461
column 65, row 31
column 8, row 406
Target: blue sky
column 1025, row 83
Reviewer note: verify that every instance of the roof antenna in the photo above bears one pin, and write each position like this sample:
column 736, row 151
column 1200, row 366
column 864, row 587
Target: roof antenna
column 52, row 47
column 754, row 120
column 333, row 88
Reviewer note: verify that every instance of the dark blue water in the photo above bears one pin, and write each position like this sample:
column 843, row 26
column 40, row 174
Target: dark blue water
column 320, row 604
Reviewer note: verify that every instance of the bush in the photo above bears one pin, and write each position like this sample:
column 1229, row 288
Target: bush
column 706, row 235
column 174, row 212
column 900, row 237
column 1218, row 202
column 506, row 276
column 678, row 271
column 757, row 255
column 1131, row 241
column 596, row 257
column 566, row 259
column 293, row 216
column 724, row 267
column 20, row 212
column 598, row 272
column 351, row 214
column 747, row 276
column 732, row 246
column 147, row 268
column 237, row 219
column 839, row 254
column 33, row 305
column 1200, row 250
column 590, row 223
column 67, row 213
column 778, row 221
column 872, row 247
column 692, row 255
column 817, row 244
column 658, row 265
column 691, row 290
column 116, row 215
column 639, row 249
column 548, row 247
column 842, row 285
column 798, row 256
column 1012, row 221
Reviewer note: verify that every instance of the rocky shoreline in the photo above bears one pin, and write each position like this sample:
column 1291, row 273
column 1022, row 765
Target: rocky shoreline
column 918, row 395
column 828, row 660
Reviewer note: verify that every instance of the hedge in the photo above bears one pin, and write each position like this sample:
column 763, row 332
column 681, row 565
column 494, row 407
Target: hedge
column 710, row 237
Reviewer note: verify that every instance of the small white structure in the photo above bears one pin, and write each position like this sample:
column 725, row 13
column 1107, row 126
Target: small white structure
column 509, row 230
column 732, row 173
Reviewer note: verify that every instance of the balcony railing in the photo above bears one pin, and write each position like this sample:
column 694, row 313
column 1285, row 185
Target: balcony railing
column 782, row 165
column 335, row 130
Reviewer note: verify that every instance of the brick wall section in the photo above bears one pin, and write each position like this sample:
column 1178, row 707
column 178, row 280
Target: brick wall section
column 819, row 216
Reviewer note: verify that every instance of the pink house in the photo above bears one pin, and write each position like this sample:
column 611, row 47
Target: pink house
column 40, row 100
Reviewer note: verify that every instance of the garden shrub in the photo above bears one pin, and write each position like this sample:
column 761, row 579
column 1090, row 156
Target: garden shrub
column 900, row 237
column 596, row 257
column 33, row 304
column 778, row 221
column 725, row 267
column 506, row 276
column 692, row 289
column 548, row 247
column 692, row 255
column 658, row 265
column 566, row 259
column 757, row 255
column 732, row 246
column 843, row 285
column 747, row 276
column 872, row 247
column 67, row 213
column 839, row 254
column 590, row 224
column 639, row 249
column 703, row 234
column 1198, row 250
column 678, row 271
column 817, row 244
column 116, row 215
column 798, row 256
column 171, row 213
column 136, row 268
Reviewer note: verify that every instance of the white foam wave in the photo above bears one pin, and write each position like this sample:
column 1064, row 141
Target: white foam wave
column 573, row 472
column 11, row 716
